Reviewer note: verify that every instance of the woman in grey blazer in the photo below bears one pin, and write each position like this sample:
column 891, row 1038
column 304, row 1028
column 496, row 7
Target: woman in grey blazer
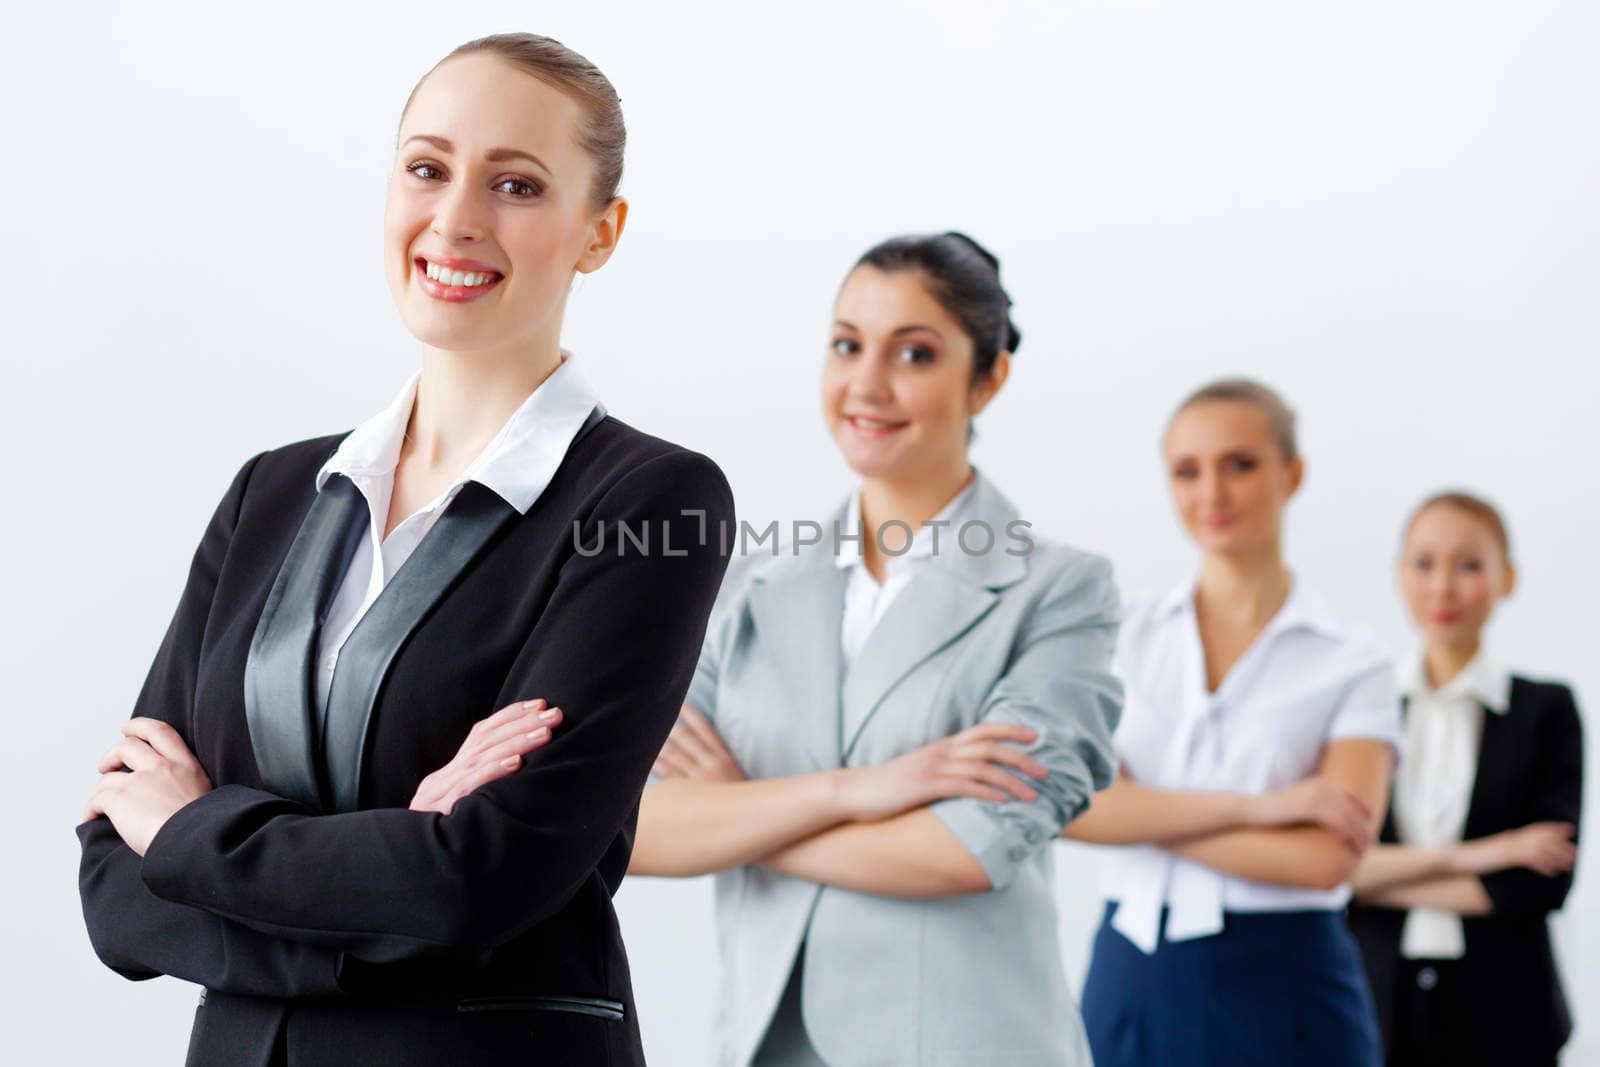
column 885, row 732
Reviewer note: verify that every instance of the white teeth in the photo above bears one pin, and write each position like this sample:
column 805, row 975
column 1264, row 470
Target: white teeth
column 445, row 276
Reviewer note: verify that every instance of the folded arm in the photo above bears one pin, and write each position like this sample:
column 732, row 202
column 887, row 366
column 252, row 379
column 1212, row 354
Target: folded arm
column 1309, row 856
column 1127, row 813
column 913, row 855
column 614, row 648
column 1524, row 870
column 1058, row 687
column 136, row 933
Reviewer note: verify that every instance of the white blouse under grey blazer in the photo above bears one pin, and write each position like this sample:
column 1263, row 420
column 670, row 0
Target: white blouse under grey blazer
column 1006, row 635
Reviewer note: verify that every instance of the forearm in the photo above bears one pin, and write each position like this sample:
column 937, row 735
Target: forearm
column 1384, row 866
column 911, row 855
column 1460, row 893
column 689, row 827
column 1128, row 813
column 1305, row 856
column 139, row 935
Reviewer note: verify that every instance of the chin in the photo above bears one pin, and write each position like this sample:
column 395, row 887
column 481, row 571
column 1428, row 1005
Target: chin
column 449, row 337
column 1228, row 542
column 868, row 464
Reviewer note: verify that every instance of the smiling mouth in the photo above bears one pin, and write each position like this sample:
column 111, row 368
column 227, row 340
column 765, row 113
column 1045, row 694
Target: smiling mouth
column 458, row 279
column 456, row 286
column 874, row 427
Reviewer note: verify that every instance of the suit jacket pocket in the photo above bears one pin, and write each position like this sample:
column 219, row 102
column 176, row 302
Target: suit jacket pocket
column 598, row 1007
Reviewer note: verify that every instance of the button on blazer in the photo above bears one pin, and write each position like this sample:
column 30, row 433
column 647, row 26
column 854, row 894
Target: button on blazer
column 328, row 923
column 964, row 981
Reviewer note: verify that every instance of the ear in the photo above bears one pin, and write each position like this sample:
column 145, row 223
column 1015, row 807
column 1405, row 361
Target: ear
column 985, row 388
column 1297, row 474
column 604, row 234
column 1510, row 584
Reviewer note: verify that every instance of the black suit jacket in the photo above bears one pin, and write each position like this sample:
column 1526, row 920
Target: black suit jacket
column 1530, row 769
column 320, row 914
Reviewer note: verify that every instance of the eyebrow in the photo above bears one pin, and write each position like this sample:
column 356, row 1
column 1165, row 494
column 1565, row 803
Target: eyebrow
column 903, row 329
column 493, row 155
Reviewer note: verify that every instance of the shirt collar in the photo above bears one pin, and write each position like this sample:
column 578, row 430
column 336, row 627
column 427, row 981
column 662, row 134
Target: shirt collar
column 1304, row 609
column 1483, row 679
column 517, row 463
column 921, row 542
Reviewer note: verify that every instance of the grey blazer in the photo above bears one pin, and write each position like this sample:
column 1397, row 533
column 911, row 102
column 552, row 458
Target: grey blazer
column 1010, row 635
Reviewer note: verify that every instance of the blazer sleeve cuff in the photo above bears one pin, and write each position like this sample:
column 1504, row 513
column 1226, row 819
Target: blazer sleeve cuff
column 169, row 860
column 1001, row 836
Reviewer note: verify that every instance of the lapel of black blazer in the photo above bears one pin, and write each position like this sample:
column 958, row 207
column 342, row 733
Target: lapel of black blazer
column 280, row 703
column 1498, row 758
column 443, row 555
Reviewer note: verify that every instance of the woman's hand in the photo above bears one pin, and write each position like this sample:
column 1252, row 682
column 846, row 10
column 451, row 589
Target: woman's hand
column 1321, row 802
column 1545, row 847
column 493, row 749
column 145, row 780
column 694, row 750
column 967, row 764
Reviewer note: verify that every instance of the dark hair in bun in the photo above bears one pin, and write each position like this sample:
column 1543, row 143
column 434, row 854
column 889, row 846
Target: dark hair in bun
column 964, row 277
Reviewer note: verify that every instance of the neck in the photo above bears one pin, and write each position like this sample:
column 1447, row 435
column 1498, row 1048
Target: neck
column 1245, row 588
column 464, row 398
column 912, row 500
column 1441, row 662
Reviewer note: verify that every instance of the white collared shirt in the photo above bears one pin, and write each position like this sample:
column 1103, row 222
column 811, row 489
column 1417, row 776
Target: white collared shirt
column 1306, row 680
column 866, row 601
column 1433, row 790
column 517, row 463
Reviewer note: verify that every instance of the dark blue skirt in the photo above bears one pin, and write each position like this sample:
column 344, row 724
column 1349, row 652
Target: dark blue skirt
column 1274, row 989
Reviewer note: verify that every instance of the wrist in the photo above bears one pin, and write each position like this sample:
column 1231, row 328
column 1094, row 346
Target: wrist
column 1470, row 857
column 1250, row 809
column 838, row 796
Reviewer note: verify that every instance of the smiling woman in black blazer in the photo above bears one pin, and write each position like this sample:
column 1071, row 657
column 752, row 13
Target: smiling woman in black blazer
column 352, row 867
column 1481, row 837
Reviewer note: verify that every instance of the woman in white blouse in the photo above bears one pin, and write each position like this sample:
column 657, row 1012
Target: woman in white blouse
column 1480, row 844
column 1255, row 749
column 881, row 741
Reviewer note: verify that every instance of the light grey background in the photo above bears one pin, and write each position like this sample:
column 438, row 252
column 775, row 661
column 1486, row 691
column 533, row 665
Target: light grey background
column 1385, row 209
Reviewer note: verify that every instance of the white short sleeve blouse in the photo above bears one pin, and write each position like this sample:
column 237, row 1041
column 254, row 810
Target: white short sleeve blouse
column 1306, row 680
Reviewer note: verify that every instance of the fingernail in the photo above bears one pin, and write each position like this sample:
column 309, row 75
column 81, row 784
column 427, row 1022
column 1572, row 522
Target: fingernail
column 550, row 716
column 509, row 761
column 540, row 734
column 531, row 704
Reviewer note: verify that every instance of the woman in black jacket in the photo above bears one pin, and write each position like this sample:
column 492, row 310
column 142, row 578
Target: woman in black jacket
column 1481, row 836
column 305, row 816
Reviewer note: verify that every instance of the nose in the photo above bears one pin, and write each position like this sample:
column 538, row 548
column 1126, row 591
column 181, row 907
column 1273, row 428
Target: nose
column 868, row 379
column 1441, row 583
column 459, row 215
